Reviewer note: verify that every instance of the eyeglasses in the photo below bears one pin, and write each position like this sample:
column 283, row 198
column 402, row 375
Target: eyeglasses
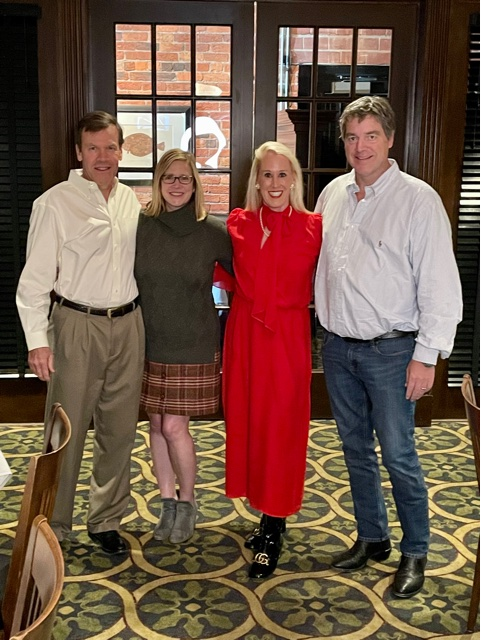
column 170, row 178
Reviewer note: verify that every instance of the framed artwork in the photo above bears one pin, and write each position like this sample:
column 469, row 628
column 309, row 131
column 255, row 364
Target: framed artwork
column 138, row 152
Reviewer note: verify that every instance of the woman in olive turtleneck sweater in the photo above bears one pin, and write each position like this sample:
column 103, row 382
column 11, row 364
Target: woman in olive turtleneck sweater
column 178, row 245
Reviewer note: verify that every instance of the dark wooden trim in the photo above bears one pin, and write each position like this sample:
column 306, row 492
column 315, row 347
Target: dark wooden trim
column 72, row 43
column 434, row 88
column 443, row 88
column 23, row 401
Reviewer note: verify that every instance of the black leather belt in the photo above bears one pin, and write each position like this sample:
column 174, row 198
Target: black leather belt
column 396, row 333
column 111, row 312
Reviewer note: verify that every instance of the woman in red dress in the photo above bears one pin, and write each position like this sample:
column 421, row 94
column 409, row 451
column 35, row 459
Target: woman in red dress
column 267, row 350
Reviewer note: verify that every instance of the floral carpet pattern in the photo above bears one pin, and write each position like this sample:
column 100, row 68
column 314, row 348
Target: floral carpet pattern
column 200, row 589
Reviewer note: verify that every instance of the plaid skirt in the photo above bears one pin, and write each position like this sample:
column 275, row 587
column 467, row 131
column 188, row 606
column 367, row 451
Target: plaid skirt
column 184, row 390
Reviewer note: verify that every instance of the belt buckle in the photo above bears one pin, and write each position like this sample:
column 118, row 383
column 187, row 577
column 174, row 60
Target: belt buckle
column 110, row 311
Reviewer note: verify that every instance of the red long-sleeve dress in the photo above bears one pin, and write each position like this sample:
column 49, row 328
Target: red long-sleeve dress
column 267, row 358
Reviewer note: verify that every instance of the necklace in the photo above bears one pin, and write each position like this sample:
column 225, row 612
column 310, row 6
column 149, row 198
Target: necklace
column 267, row 232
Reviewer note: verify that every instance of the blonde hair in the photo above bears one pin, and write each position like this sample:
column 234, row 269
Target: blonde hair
column 254, row 198
column 158, row 205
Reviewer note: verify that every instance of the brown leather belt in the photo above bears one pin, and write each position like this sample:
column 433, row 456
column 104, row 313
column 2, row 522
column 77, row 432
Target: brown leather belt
column 111, row 312
column 396, row 333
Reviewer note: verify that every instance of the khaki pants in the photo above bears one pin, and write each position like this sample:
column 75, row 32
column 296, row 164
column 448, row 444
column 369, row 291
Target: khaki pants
column 98, row 373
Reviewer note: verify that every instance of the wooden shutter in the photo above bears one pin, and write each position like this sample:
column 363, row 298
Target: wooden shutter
column 465, row 356
column 20, row 174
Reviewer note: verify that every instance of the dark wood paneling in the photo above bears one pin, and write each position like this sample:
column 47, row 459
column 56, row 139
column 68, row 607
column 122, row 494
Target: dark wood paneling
column 442, row 89
column 23, row 401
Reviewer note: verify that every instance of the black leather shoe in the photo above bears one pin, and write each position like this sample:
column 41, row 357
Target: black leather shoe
column 111, row 542
column 265, row 560
column 255, row 539
column 409, row 577
column 360, row 553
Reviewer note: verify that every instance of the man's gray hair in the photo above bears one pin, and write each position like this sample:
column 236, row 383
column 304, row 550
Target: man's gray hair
column 375, row 106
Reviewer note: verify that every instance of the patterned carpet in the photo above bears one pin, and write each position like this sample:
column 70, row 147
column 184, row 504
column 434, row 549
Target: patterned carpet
column 200, row 589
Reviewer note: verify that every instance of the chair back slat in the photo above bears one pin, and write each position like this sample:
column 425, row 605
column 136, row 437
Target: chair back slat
column 40, row 586
column 472, row 414
column 57, row 429
column 38, row 498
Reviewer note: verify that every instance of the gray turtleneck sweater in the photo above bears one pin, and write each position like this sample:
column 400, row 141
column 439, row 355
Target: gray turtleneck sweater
column 174, row 263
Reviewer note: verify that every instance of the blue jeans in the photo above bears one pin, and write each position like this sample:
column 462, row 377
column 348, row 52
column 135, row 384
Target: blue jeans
column 366, row 386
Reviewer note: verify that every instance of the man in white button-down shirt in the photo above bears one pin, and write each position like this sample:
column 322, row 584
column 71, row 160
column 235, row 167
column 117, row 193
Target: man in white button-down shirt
column 81, row 244
column 388, row 296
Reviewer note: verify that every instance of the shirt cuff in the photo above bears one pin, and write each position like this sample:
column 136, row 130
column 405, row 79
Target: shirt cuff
column 36, row 340
column 425, row 354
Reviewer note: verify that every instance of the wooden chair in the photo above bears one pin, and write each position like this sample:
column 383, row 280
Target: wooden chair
column 38, row 498
column 472, row 414
column 41, row 584
column 57, row 429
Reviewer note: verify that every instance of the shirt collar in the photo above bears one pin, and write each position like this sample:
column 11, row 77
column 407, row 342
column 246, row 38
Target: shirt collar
column 88, row 187
column 381, row 183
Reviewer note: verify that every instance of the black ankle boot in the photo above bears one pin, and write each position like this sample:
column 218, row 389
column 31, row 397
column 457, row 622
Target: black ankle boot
column 265, row 561
column 255, row 539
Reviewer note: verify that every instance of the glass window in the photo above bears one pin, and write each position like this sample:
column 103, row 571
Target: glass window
column 373, row 61
column 334, row 62
column 133, row 58
column 213, row 60
column 135, row 117
column 293, row 129
column 216, row 192
column 173, row 121
column 295, row 52
column 173, row 59
column 212, row 134
column 329, row 146
column 140, row 182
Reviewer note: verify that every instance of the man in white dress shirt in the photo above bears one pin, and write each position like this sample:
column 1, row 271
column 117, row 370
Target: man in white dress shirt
column 388, row 296
column 81, row 244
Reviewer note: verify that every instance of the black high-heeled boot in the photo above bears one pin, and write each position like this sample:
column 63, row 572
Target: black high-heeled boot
column 255, row 539
column 265, row 560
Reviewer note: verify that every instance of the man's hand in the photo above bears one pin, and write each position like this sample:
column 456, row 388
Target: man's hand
column 419, row 380
column 40, row 361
